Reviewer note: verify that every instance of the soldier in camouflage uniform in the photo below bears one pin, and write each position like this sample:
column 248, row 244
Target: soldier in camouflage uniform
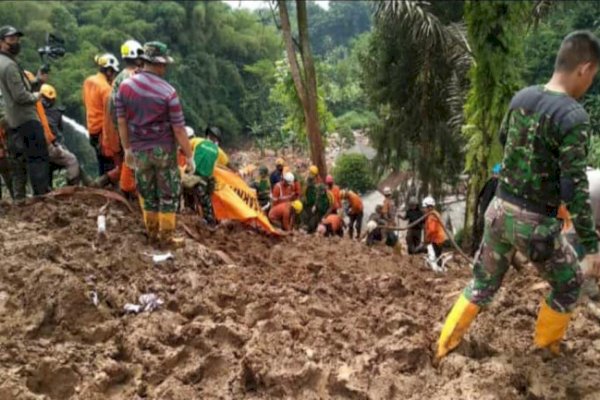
column 151, row 124
column 545, row 134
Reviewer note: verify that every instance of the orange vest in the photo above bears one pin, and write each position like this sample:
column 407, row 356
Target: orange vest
column 337, row 197
column 335, row 221
column 434, row 231
column 283, row 193
column 96, row 91
column 356, row 204
column 282, row 213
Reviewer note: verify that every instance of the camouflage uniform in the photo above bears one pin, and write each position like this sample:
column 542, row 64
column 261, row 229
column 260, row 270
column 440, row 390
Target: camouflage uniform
column 546, row 140
column 158, row 180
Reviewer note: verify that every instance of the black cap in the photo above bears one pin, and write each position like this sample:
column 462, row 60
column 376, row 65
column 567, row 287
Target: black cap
column 8, row 30
column 213, row 131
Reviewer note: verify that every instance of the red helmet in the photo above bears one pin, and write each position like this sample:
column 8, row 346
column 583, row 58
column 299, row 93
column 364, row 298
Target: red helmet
column 329, row 179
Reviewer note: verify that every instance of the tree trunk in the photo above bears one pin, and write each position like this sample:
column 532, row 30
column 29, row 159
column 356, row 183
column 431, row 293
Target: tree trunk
column 306, row 86
column 313, row 126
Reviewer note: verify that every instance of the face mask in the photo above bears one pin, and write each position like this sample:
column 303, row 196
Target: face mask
column 14, row 48
column 47, row 103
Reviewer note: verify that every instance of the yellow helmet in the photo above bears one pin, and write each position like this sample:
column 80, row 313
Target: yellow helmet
column 131, row 49
column 279, row 162
column 314, row 170
column 107, row 60
column 297, row 206
column 48, row 91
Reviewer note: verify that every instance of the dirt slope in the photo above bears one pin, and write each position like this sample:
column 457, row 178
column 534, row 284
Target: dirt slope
column 247, row 316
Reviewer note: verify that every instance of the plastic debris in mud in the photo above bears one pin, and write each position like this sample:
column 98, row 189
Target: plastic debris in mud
column 95, row 298
column 102, row 226
column 432, row 260
column 147, row 302
column 160, row 258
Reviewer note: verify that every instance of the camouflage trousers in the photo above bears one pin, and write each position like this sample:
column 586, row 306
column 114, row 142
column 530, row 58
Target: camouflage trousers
column 157, row 179
column 509, row 228
column 205, row 191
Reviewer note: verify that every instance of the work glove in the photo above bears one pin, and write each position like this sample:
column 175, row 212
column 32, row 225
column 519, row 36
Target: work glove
column 190, row 165
column 130, row 159
column 590, row 265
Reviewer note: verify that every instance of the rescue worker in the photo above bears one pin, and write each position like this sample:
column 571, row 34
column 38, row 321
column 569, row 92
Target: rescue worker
column 414, row 233
column 335, row 192
column 284, row 214
column 96, row 93
column 435, row 236
column 374, row 230
column 207, row 154
column 4, row 158
column 58, row 153
column 151, row 124
column 110, row 145
column 546, row 126
column 323, row 207
column 354, row 211
column 483, row 201
column 309, row 199
column 284, row 190
column 262, row 187
column 389, row 209
column 277, row 174
column 331, row 225
column 28, row 153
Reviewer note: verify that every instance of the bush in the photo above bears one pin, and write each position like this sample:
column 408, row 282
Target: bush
column 352, row 171
column 356, row 119
column 346, row 134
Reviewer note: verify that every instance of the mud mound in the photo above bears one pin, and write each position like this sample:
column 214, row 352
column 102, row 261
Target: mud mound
column 248, row 316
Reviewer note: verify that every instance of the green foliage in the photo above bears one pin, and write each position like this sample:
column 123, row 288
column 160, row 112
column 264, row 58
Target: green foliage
column 283, row 95
column 495, row 32
column 357, row 119
column 413, row 71
column 346, row 134
column 352, row 171
column 210, row 42
column 594, row 154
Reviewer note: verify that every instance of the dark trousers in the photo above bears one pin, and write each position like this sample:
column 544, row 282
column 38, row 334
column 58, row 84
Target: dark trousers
column 355, row 222
column 413, row 240
column 28, row 153
column 105, row 164
column 6, row 176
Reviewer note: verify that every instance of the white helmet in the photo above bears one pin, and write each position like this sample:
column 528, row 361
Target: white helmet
column 288, row 177
column 428, row 202
column 387, row 191
column 107, row 60
column 371, row 226
column 190, row 132
column 131, row 49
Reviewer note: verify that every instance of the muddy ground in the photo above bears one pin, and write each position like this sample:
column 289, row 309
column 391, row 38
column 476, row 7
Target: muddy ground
column 251, row 317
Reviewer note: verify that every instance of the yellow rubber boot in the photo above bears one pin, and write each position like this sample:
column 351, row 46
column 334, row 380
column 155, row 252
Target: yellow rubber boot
column 167, row 223
column 152, row 224
column 457, row 322
column 550, row 328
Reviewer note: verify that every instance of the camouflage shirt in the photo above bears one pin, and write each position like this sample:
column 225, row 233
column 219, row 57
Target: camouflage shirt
column 546, row 140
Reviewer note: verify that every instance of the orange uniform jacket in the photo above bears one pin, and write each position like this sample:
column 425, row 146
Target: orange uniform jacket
column 96, row 91
column 282, row 213
column 356, row 204
column 283, row 193
column 434, row 231
column 337, row 197
column 335, row 221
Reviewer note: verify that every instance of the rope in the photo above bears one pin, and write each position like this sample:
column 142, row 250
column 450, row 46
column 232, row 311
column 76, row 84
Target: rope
column 448, row 234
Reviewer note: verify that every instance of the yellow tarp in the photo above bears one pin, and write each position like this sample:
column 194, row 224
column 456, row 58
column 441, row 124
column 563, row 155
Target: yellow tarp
column 234, row 199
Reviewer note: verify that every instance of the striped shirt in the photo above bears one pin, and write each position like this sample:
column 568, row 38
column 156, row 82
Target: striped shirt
column 151, row 107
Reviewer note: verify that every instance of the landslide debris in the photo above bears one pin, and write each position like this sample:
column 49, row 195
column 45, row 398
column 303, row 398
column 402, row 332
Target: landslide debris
column 252, row 317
